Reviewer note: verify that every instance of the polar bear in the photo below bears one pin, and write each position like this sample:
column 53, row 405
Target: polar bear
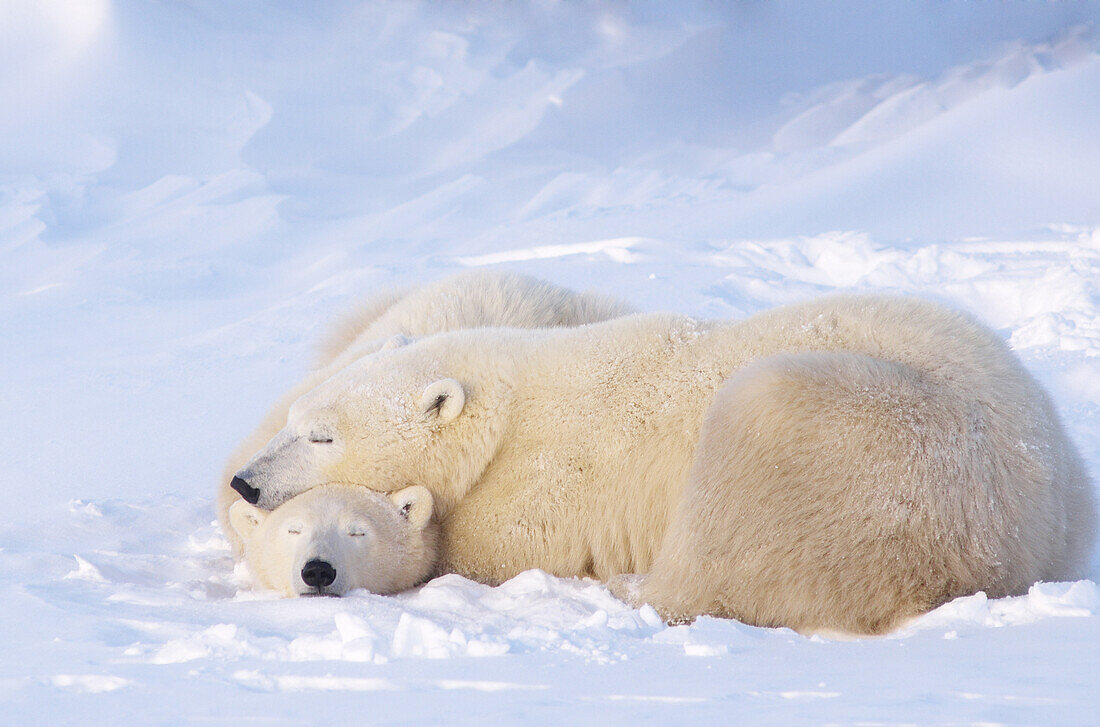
column 467, row 300
column 335, row 538
column 837, row 465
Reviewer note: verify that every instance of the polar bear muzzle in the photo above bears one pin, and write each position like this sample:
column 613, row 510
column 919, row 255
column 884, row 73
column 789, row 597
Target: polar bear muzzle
column 318, row 574
column 291, row 463
column 250, row 494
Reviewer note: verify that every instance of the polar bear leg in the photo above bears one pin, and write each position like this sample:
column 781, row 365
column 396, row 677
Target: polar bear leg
column 831, row 492
column 627, row 587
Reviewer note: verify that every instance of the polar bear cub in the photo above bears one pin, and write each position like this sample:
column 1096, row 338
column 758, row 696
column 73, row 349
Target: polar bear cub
column 336, row 538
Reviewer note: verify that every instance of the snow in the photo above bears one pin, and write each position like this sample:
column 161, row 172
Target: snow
column 189, row 190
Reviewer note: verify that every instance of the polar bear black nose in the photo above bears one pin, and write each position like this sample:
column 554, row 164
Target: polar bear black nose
column 250, row 494
column 318, row 574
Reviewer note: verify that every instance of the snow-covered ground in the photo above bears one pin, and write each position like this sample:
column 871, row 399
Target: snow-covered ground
column 190, row 189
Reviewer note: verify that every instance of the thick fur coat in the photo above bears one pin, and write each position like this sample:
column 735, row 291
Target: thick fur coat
column 838, row 465
column 472, row 299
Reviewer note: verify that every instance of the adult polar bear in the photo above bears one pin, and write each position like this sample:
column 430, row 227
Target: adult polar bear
column 466, row 300
column 836, row 465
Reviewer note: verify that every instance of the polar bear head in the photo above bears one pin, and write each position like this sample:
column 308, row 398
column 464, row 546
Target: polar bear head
column 335, row 538
column 392, row 419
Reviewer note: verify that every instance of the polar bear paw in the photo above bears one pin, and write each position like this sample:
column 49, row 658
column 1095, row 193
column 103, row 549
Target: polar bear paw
column 627, row 587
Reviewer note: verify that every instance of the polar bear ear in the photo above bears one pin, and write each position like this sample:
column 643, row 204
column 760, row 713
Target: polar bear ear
column 396, row 342
column 245, row 518
column 443, row 400
column 415, row 504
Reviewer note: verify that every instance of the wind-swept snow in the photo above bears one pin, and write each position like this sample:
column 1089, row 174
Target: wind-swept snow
column 190, row 190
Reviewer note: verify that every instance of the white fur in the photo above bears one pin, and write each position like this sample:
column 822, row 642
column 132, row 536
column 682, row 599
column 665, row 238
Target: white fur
column 467, row 300
column 379, row 543
column 443, row 400
column 837, row 465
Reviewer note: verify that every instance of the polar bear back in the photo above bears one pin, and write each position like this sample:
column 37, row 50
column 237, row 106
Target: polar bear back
column 471, row 299
column 606, row 422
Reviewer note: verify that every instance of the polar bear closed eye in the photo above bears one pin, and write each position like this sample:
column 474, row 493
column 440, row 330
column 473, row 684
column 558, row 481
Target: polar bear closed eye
column 334, row 539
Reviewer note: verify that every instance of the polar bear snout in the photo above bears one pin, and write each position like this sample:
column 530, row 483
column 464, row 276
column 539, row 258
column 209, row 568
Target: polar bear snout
column 250, row 494
column 288, row 465
column 318, row 574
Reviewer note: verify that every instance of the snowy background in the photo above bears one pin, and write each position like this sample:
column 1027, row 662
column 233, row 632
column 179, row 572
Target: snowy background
column 189, row 189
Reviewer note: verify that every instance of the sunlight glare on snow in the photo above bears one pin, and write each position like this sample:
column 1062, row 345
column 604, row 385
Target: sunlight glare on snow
column 90, row 683
column 79, row 21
